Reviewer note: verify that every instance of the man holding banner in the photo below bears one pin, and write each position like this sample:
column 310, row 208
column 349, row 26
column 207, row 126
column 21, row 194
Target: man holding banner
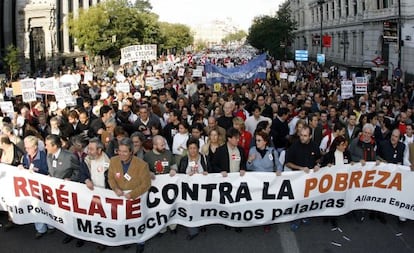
column 62, row 164
column 303, row 155
column 129, row 176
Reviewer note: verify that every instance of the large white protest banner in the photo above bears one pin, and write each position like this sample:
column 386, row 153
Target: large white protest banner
column 254, row 199
column 138, row 53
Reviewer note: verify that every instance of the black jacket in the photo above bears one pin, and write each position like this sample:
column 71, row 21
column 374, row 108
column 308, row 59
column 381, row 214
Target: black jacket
column 222, row 159
column 329, row 158
column 184, row 164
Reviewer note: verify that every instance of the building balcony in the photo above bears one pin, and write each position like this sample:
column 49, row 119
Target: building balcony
column 381, row 14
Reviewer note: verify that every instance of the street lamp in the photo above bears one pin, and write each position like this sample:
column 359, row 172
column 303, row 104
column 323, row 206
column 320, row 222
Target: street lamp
column 320, row 3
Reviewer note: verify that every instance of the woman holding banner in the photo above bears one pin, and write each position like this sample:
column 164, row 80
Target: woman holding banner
column 337, row 155
column 193, row 163
column 263, row 158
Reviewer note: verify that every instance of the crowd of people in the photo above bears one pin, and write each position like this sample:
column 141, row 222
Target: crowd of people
column 121, row 142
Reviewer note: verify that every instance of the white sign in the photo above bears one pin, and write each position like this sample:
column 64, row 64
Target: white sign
column 292, row 79
column 138, row 53
column 181, row 72
column 64, row 94
column 343, row 74
column 361, row 85
column 28, row 95
column 46, row 85
column 257, row 198
column 27, row 84
column 197, row 73
column 124, row 87
column 283, row 75
column 361, row 80
column 7, row 108
column 87, row 77
column 154, row 83
column 9, row 92
column 347, row 89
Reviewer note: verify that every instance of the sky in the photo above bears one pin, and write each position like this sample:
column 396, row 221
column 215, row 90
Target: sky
column 194, row 12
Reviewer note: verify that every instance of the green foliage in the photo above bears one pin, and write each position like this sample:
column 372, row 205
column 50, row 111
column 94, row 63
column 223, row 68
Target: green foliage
column 273, row 33
column 111, row 25
column 11, row 59
column 143, row 5
column 176, row 36
column 234, row 37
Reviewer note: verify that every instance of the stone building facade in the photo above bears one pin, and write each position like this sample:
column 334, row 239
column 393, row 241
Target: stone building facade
column 38, row 29
column 360, row 31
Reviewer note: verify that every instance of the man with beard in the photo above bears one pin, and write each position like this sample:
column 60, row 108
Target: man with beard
column 94, row 168
column 161, row 161
column 128, row 175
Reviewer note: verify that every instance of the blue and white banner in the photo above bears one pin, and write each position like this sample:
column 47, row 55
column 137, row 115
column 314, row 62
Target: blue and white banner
column 256, row 68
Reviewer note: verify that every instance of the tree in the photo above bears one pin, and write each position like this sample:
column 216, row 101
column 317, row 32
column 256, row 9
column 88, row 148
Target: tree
column 176, row 36
column 234, row 37
column 143, row 5
column 273, row 33
column 111, row 25
column 11, row 59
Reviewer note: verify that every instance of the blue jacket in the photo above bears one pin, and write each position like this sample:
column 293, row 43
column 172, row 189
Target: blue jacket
column 39, row 162
column 268, row 163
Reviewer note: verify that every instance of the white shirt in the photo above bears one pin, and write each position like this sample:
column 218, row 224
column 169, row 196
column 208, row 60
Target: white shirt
column 251, row 122
column 97, row 170
column 324, row 146
column 179, row 143
column 339, row 158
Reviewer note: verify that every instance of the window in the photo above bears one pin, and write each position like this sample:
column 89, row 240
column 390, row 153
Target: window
column 355, row 4
column 339, row 8
column 317, row 15
column 339, row 42
column 362, row 43
column 383, row 4
column 303, row 18
column 333, row 10
column 354, row 43
column 346, row 8
column 313, row 15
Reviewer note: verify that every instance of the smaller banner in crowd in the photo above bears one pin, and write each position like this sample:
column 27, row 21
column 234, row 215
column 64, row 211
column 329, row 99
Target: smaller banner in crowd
column 254, row 69
column 257, row 198
column 138, row 53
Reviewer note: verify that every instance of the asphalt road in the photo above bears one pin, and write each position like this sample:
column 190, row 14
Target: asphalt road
column 318, row 236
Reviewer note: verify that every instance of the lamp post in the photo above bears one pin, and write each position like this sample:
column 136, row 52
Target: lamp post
column 399, row 34
column 320, row 3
